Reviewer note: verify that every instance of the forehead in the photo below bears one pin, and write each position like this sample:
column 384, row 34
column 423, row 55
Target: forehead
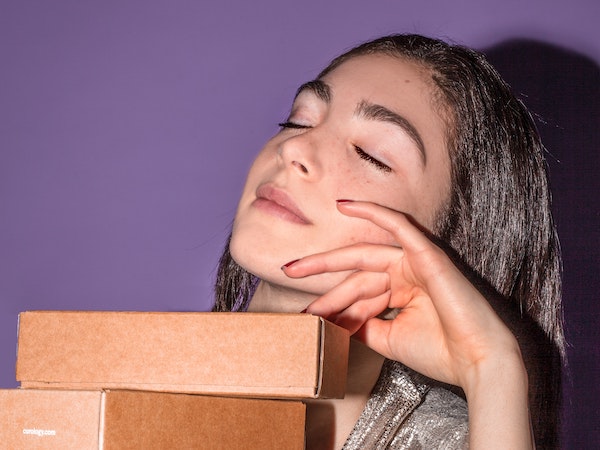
column 398, row 84
column 392, row 73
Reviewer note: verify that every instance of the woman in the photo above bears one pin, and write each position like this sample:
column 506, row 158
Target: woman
column 405, row 198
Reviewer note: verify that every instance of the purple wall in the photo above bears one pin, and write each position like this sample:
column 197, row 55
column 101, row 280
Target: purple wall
column 126, row 129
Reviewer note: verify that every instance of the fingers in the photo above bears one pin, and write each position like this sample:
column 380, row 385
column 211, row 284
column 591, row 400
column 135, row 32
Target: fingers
column 406, row 233
column 406, row 337
column 374, row 333
column 357, row 286
column 416, row 266
column 429, row 260
column 370, row 257
column 360, row 297
column 374, row 258
column 407, row 236
column 356, row 315
column 430, row 267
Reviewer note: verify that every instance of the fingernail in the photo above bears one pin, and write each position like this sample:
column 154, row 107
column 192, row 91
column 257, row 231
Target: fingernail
column 286, row 265
column 344, row 200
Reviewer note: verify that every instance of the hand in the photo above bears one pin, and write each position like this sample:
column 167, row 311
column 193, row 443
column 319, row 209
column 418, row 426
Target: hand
column 444, row 328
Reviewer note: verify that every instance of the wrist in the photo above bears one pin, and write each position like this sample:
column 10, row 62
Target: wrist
column 502, row 372
column 497, row 395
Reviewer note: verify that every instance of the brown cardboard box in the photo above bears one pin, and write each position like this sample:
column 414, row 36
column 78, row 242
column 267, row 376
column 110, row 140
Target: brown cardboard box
column 249, row 354
column 64, row 419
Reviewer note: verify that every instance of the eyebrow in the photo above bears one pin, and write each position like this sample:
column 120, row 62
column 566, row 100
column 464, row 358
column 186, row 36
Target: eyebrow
column 370, row 111
column 381, row 113
column 317, row 87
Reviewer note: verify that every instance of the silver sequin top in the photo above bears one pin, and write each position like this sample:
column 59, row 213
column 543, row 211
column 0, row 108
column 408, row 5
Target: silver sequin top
column 407, row 411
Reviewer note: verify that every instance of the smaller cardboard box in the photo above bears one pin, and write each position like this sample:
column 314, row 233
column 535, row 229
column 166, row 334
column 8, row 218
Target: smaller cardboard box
column 245, row 354
column 82, row 420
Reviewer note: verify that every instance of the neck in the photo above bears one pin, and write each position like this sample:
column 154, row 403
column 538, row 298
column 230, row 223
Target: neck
column 274, row 298
column 328, row 421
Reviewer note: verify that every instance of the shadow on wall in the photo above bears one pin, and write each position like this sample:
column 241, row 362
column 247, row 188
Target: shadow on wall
column 562, row 89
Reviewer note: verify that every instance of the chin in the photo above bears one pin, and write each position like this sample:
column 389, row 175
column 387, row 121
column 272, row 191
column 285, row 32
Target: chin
column 260, row 250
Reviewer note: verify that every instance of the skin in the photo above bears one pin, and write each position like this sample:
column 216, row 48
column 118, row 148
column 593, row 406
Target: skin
column 317, row 165
column 311, row 194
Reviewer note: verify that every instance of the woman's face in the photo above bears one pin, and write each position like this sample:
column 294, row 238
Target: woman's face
column 369, row 130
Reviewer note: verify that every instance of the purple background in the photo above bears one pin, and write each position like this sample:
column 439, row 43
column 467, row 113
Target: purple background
column 127, row 127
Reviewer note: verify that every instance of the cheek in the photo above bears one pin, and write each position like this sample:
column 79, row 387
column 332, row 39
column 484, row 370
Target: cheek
column 348, row 182
column 258, row 167
column 355, row 231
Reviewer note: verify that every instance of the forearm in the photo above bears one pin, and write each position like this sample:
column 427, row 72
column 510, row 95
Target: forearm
column 497, row 395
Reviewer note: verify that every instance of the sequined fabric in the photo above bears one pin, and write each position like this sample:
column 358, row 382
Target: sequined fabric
column 407, row 411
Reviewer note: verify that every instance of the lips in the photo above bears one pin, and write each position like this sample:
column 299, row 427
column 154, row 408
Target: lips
column 278, row 203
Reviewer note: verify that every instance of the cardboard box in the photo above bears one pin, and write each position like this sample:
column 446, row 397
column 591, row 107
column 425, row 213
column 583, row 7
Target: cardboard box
column 64, row 419
column 247, row 354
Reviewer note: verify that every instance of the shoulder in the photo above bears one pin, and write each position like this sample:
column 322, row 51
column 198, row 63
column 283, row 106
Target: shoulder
column 407, row 410
column 441, row 421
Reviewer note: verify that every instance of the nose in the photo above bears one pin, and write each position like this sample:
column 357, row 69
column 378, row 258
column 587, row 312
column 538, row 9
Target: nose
column 300, row 154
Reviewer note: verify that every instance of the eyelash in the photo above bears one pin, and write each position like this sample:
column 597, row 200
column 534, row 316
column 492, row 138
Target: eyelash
column 359, row 151
column 288, row 124
column 364, row 155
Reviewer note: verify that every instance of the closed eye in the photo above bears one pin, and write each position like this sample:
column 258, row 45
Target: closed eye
column 292, row 125
column 364, row 155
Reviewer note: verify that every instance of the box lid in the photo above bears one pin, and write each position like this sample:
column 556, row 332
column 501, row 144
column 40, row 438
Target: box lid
column 257, row 354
